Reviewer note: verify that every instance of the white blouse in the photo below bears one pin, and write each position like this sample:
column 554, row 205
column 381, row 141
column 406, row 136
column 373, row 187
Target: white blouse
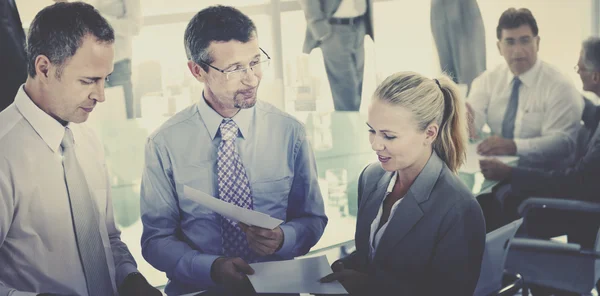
column 376, row 235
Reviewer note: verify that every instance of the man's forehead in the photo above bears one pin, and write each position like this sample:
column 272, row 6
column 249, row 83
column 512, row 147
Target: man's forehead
column 93, row 59
column 233, row 51
column 519, row 32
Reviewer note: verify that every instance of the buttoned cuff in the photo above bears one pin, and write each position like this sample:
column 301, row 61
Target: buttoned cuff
column 523, row 146
column 123, row 271
column 289, row 241
column 201, row 266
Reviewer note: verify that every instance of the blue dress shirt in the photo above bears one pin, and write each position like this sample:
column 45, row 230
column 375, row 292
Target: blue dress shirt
column 181, row 237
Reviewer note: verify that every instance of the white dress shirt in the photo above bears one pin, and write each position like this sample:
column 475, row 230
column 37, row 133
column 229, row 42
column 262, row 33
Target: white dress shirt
column 125, row 16
column 376, row 235
column 38, row 250
column 548, row 115
column 351, row 8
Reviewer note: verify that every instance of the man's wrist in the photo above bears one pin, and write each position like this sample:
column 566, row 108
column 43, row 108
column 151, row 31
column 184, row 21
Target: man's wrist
column 213, row 269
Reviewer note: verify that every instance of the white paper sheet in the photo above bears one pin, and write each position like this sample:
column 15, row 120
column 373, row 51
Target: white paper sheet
column 231, row 211
column 294, row 276
column 471, row 166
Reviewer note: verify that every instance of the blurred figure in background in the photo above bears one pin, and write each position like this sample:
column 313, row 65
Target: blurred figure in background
column 13, row 61
column 125, row 16
column 339, row 27
column 459, row 35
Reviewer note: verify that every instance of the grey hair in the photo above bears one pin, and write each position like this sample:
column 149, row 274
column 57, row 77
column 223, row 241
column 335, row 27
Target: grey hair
column 591, row 54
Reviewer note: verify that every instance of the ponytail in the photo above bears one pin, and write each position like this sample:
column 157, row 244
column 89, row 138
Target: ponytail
column 451, row 142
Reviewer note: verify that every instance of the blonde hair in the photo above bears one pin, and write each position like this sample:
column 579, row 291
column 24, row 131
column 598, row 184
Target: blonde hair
column 431, row 101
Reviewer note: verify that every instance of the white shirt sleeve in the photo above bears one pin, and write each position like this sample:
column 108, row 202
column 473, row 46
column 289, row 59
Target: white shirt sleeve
column 479, row 99
column 560, row 124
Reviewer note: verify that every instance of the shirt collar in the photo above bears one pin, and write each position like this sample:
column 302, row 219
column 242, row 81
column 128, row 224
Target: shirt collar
column 528, row 77
column 49, row 129
column 390, row 187
column 212, row 119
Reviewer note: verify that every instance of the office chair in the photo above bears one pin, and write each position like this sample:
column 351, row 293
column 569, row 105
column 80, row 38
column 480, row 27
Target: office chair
column 492, row 280
column 573, row 266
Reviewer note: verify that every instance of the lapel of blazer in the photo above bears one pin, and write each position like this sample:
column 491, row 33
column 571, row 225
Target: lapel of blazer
column 409, row 211
column 369, row 210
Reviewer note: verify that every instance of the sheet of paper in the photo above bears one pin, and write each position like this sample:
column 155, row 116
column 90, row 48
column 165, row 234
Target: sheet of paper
column 231, row 211
column 294, row 276
column 471, row 166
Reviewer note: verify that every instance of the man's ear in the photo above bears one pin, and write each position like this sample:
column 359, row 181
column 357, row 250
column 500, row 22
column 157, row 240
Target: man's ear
column 42, row 67
column 197, row 71
column 498, row 45
column 596, row 77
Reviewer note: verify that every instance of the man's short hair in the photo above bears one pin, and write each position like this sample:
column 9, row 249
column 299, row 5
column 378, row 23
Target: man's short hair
column 58, row 30
column 513, row 18
column 216, row 23
column 591, row 54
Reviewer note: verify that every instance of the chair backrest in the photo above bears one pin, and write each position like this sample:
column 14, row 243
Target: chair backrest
column 492, row 265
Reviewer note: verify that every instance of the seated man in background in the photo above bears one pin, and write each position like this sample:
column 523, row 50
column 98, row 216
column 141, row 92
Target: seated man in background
column 233, row 147
column 532, row 109
column 579, row 181
column 57, row 230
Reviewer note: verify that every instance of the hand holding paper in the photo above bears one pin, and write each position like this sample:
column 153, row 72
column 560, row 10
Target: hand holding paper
column 263, row 241
column 351, row 279
column 231, row 211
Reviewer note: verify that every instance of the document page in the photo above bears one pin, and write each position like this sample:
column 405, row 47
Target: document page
column 231, row 211
column 294, row 276
column 471, row 166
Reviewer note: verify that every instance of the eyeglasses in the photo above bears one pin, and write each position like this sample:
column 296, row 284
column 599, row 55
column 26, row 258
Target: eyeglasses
column 580, row 69
column 239, row 72
column 523, row 41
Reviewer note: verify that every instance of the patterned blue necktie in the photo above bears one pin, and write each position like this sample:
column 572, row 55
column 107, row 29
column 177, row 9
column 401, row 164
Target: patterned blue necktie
column 234, row 188
column 508, row 124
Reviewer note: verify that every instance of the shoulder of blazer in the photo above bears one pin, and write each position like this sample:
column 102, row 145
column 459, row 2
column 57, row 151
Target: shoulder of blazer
column 450, row 182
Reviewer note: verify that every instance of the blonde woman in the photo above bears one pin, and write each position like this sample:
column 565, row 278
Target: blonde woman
column 419, row 230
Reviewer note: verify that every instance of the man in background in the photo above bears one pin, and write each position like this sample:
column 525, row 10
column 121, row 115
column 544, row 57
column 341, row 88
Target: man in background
column 532, row 109
column 339, row 27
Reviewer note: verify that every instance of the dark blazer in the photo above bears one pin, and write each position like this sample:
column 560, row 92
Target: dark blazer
column 435, row 241
column 318, row 13
column 13, row 64
column 579, row 181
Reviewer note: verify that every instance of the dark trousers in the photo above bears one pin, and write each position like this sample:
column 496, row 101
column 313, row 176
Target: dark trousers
column 344, row 57
column 459, row 35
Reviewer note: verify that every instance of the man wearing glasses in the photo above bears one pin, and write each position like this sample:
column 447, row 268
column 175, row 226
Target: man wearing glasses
column 237, row 149
column 532, row 109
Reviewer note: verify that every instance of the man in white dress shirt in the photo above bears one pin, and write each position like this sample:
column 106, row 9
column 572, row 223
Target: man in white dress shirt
column 532, row 109
column 57, row 229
